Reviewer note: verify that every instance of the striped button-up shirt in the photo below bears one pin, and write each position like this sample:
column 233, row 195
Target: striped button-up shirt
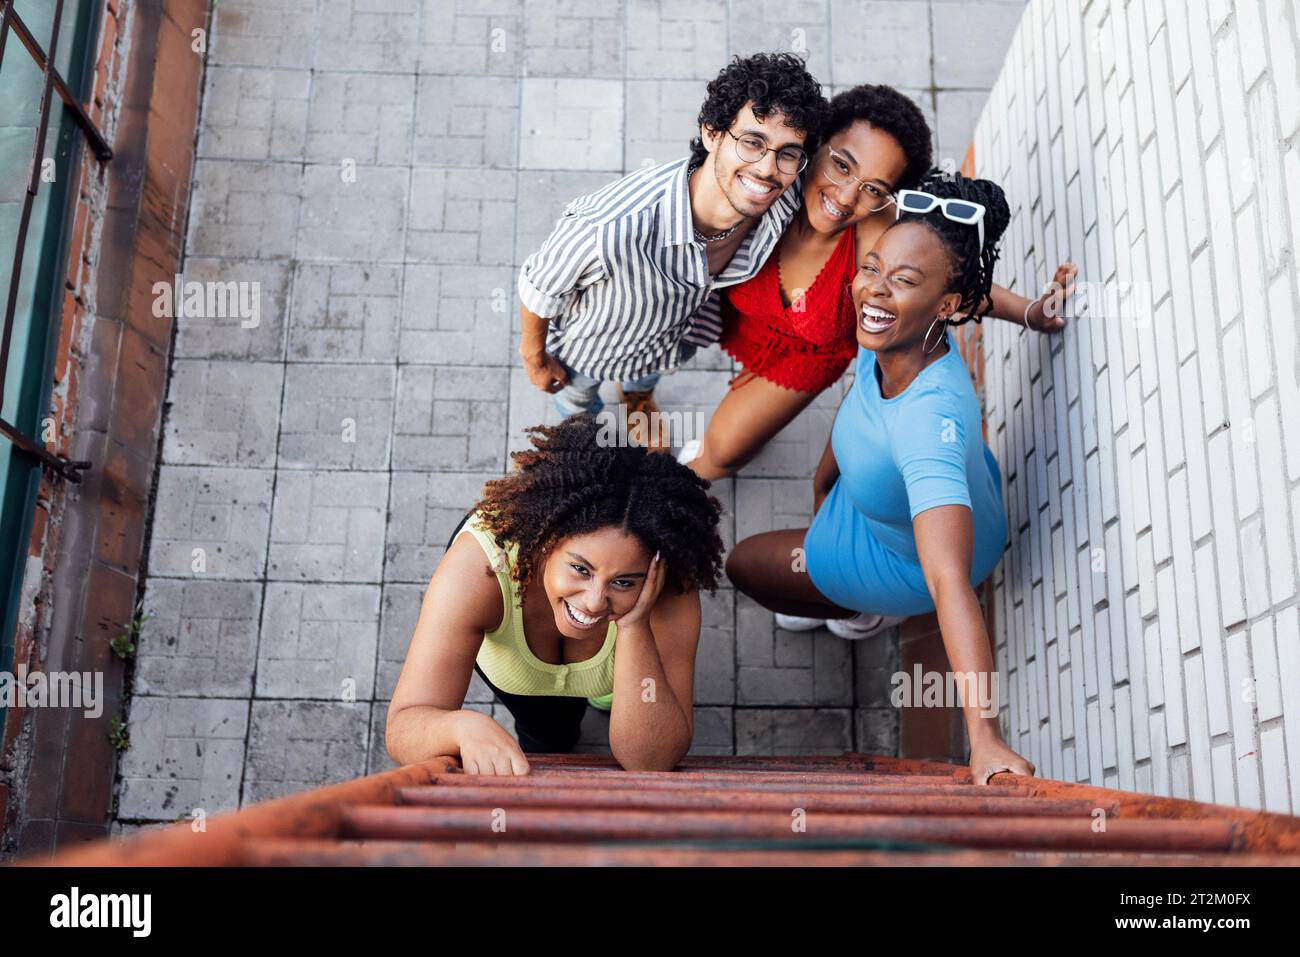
column 624, row 282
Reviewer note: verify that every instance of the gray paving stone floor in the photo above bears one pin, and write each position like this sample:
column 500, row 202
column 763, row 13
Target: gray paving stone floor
column 381, row 169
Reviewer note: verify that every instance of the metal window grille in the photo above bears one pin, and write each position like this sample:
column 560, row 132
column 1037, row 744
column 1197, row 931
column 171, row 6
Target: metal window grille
column 53, row 82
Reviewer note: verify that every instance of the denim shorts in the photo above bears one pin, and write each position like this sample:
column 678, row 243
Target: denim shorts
column 581, row 393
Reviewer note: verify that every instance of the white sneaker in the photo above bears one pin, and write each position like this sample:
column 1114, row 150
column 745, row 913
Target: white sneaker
column 862, row 625
column 690, row 452
column 795, row 623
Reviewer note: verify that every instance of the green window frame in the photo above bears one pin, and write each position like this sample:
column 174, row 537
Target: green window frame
column 59, row 41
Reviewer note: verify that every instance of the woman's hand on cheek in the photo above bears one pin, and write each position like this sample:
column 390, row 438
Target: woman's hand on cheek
column 650, row 589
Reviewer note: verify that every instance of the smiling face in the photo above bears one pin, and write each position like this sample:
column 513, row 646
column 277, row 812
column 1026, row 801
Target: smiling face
column 592, row 578
column 901, row 286
column 862, row 151
column 751, row 188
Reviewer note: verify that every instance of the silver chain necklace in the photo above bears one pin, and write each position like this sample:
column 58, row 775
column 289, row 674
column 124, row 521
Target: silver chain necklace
column 700, row 237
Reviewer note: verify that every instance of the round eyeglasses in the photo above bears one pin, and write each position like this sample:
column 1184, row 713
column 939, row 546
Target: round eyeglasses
column 837, row 172
column 750, row 148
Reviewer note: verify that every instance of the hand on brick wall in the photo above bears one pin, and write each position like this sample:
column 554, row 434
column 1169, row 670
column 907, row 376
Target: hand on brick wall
column 1047, row 312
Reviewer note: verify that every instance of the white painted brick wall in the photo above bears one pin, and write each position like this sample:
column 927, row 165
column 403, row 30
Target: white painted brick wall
column 1148, row 620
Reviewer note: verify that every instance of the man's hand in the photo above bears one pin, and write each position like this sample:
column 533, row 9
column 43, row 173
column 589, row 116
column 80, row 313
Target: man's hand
column 486, row 747
column 1047, row 312
column 545, row 371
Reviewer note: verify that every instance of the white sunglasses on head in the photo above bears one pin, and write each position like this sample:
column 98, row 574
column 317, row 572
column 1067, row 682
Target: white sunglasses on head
column 958, row 210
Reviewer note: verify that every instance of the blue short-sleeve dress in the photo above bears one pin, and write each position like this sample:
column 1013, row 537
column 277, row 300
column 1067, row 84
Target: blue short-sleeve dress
column 898, row 457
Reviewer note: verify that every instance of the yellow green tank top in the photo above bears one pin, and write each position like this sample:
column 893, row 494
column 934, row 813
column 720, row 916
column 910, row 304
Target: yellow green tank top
column 505, row 656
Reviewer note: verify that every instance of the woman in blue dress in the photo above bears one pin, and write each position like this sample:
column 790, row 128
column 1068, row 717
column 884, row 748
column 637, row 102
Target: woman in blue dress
column 909, row 516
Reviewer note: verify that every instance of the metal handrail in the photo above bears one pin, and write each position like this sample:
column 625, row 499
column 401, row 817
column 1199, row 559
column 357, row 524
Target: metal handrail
column 583, row 809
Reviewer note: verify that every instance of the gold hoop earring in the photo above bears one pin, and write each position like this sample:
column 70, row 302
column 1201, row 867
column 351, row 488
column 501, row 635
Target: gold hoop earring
column 937, row 320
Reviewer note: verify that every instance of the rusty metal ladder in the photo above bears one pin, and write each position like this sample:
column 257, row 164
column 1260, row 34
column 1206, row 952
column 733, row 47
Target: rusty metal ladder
column 853, row 809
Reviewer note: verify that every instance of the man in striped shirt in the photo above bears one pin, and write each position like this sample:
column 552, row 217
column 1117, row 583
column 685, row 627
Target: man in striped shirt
column 626, row 286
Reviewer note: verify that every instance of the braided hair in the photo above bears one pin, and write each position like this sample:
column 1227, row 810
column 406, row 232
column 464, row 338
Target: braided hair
column 972, row 267
column 890, row 112
column 572, row 482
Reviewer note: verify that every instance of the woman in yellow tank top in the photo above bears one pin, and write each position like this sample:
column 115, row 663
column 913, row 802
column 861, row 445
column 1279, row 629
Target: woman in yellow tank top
column 586, row 545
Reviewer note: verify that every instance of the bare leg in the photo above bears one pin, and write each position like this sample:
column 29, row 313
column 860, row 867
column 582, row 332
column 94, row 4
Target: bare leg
column 746, row 419
column 764, row 568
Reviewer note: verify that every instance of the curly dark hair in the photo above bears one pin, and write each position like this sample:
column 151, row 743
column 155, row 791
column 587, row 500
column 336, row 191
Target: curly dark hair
column 890, row 111
column 573, row 482
column 972, row 267
column 775, row 83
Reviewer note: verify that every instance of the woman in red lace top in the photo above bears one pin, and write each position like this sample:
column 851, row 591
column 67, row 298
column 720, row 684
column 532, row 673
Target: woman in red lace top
column 801, row 343
column 792, row 327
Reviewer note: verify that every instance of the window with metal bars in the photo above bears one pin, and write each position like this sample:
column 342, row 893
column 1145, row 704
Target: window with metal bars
column 46, row 58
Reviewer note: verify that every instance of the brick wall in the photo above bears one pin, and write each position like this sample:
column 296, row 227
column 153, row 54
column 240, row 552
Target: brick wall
column 75, row 345
column 1147, row 615
column 80, row 585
